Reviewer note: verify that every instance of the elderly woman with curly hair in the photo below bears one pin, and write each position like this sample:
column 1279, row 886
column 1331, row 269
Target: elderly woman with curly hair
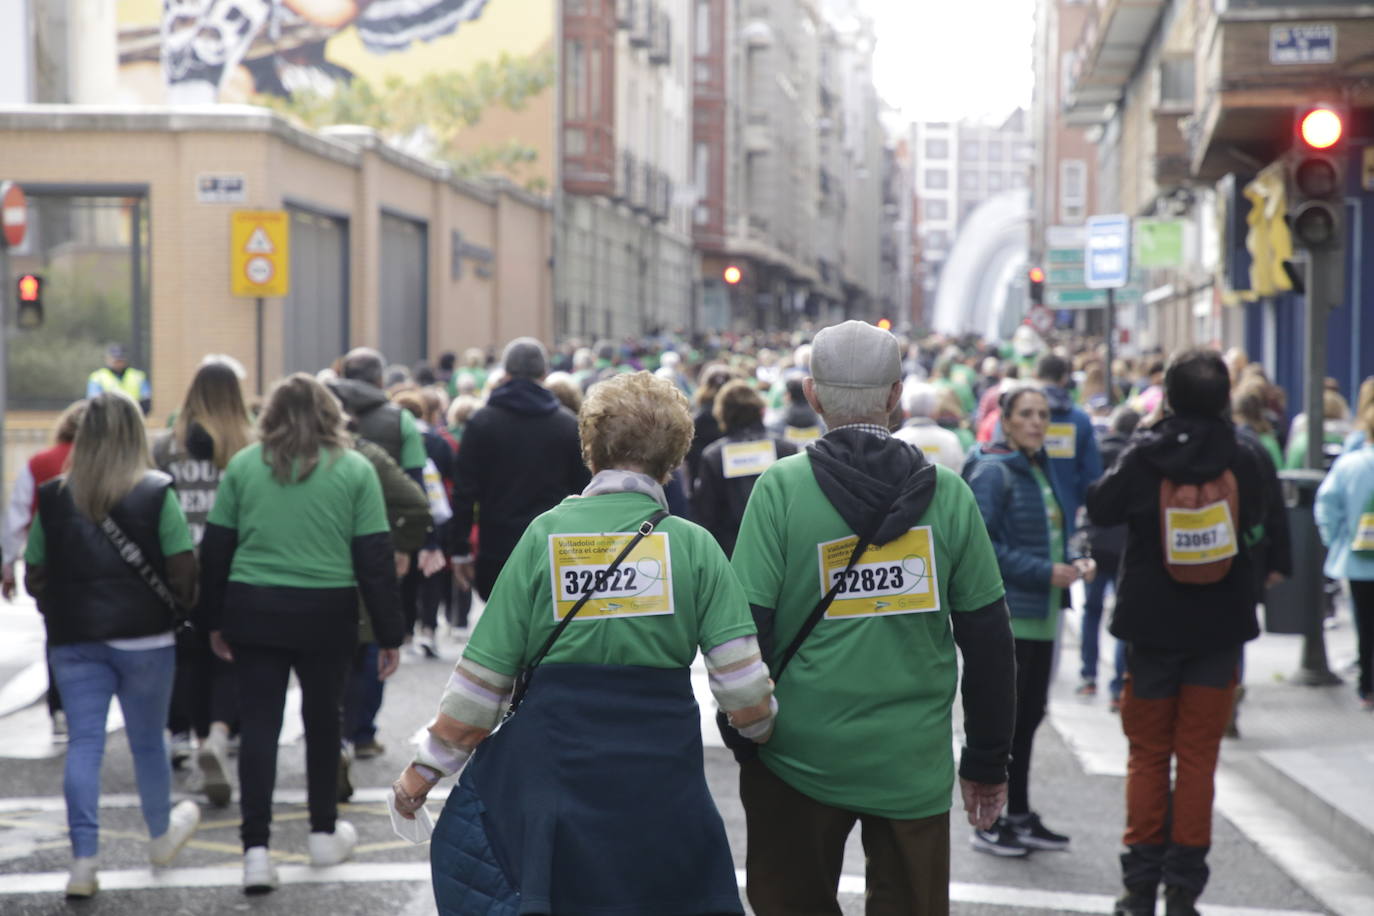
column 592, row 799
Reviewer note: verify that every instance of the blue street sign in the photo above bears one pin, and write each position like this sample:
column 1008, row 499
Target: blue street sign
column 1107, row 252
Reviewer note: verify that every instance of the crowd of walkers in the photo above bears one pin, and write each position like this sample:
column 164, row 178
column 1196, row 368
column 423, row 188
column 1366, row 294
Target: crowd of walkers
column 831, row 520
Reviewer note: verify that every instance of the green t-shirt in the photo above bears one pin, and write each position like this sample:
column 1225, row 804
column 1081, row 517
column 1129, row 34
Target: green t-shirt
column 172, row 533
column 658, row 618
column 413, row 454
column 1045, row 630
column 301, row 534
column 864, row 707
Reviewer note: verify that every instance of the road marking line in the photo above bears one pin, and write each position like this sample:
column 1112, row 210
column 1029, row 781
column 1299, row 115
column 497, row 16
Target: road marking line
column 1018, row 898
column 117, row 800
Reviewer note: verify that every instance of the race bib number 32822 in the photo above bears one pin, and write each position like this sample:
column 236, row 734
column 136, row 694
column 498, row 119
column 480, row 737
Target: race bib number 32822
column 1197, row 536
column 640, row 587
column 897, row 578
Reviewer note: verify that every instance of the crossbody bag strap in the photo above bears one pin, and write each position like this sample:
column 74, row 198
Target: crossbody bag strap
column 132, row 554
column 824, row 604
column 523, row 683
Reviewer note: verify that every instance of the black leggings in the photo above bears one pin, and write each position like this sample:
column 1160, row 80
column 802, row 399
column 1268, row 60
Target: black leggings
column 263, row 673
column 1362, row 593
column 1034, row 662
column 205, row 689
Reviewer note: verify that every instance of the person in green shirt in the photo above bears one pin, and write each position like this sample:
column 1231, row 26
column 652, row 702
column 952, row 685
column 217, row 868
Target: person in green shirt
column 864, row 730
column 1029, row 529
column 595, row 792
column 299, row 529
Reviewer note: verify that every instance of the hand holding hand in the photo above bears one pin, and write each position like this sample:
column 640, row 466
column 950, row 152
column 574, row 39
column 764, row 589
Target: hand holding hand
column 1063, row 575
column 431, row 562
column 982, row 801
column 1087, row 568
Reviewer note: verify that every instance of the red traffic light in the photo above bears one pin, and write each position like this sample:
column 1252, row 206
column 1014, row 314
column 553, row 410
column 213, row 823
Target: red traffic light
column 1036, row 275
column 1321, row 128
column 30, row 288
column 885, row 324
column 733, row 275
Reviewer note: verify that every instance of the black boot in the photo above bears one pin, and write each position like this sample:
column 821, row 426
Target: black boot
column 1137, row 901
column 1179, row 901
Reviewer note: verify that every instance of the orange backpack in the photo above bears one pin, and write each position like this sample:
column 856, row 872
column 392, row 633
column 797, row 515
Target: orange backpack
column 1199, row 526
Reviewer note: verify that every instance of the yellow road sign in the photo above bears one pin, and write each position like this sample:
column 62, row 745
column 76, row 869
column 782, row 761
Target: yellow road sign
column 259, row 253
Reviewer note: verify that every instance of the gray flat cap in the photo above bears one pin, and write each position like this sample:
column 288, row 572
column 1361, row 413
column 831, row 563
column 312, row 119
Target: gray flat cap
column 855, row 354
column 525, row 357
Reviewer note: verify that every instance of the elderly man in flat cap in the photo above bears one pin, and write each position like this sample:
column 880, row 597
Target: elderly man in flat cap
column 866, row 565
column 520, row 457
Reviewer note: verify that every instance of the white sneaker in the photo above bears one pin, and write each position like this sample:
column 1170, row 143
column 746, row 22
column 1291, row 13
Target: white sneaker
column 184, row 820
column 81, row 882
column 214, row 769
column 332, row 848
column 259, row 874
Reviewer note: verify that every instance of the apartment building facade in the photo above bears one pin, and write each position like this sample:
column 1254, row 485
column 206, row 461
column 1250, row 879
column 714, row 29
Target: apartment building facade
column 956, row 167
column 1191, row 108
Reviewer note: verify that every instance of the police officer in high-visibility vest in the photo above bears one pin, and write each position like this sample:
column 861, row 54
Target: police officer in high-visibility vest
column 118, row 375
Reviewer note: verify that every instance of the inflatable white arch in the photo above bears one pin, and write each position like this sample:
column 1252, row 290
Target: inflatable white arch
column 976, row 285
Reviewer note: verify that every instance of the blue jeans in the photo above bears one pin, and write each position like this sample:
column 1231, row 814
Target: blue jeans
column 88, row 674
column 362, row 696
column 1094, row 599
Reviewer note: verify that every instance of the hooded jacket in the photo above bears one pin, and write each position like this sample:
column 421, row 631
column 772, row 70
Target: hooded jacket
column 718, row 501
column 1152, row 610
column 864, row 478
column 377, row 419
column 1073, row 475
column 1013, row 508
column 521, row 456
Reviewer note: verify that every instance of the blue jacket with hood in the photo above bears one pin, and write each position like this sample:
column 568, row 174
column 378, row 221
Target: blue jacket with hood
column 1014, row 511
column 1072, row 476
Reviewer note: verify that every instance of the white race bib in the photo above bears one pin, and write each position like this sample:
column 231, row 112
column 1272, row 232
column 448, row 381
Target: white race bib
column 1364, row 533
column 802, row 434
column 642, row 586
column 748, row 459
column 896, row 578
column 1197, row 536
column 1061, row 440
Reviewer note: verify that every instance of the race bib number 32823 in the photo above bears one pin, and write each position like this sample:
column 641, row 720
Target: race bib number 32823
column 896, row 578
column 640, row 587
column 1197, row 536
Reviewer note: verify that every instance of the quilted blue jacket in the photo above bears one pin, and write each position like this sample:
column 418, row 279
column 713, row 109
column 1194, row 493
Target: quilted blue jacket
column 1014, row 512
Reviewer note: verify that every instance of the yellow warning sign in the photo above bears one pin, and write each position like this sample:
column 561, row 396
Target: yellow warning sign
column 259, row 253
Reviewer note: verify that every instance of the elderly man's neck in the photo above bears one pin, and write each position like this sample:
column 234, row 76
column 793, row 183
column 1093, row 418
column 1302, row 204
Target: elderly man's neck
column 876, row 419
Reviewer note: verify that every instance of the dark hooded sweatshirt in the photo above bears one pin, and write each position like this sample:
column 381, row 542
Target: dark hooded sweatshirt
column 1152, row 610
column 866, row 477
column 521, row 456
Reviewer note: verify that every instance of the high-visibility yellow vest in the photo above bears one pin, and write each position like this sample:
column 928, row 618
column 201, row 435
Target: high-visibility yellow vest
column 131, row 384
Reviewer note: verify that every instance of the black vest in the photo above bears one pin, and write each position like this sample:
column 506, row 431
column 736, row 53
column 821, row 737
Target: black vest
column 382, row 425
column 92, row 593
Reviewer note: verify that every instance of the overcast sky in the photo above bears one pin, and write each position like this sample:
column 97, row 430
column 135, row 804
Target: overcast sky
column 948, row 59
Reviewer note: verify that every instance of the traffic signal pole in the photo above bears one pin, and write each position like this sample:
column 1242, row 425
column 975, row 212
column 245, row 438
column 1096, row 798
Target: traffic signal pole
column 1314, row 670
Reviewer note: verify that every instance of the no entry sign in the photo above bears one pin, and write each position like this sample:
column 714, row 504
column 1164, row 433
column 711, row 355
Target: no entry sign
column 14, row 213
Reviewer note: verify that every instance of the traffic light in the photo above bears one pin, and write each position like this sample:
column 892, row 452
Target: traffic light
column 1316, row 178
column 885, row 324
column 733, row 275
column 30, row 312
column 1035, row 278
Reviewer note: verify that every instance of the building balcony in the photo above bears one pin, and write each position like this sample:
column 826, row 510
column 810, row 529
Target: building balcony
column 1260, row 60
column 1114, row 36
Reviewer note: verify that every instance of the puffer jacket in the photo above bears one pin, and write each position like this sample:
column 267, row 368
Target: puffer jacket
column 1072, row 476
column 1013, row 509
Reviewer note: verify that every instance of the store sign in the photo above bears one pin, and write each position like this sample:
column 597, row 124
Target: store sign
column 460, row 250
column 1302, row 44
column 1159, row 243
column 221, row 189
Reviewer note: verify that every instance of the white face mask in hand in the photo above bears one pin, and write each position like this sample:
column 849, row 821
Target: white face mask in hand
column 416, row 830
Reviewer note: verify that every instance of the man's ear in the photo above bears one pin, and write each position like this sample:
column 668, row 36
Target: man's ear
column 809, row 389
column 894, row 397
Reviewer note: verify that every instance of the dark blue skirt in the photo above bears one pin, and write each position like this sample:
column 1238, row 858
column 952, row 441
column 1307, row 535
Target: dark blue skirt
column 592, row 800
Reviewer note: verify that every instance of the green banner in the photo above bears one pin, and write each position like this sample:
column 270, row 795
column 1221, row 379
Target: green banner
column 1064, row 256
column 1089, row 298
column 1159, row 242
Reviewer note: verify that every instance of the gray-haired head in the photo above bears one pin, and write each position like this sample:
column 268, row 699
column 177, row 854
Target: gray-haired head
column 920, row 399
column 364, row 364
column 525, row 357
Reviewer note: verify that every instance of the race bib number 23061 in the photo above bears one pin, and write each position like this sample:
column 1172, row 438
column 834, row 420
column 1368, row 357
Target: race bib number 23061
column 896, row 578
column 640, row 587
